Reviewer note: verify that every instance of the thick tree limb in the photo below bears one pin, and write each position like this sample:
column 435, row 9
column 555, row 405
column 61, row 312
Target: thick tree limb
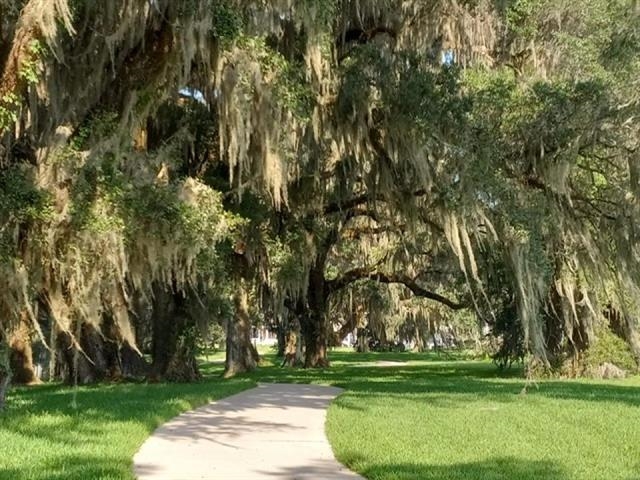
column 38, row 22
column 337, row 207
column 411, row 284
column 417, row 290
column 353, row 233
column 364, row 199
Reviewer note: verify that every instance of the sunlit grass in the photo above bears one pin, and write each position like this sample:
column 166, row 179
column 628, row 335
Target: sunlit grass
column 42, row 435
column 461, row 420
column 433, row 416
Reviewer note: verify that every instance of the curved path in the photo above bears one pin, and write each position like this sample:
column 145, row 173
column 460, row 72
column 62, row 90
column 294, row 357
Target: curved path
column 272, row 431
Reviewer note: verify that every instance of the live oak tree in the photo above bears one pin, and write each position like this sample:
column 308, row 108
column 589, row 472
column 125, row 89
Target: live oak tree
column 493, row 136
column 493, row 133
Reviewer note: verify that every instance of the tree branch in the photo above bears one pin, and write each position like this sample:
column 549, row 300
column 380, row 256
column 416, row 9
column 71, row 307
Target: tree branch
column 337, row 207
column 411, row 284
column 28, row 31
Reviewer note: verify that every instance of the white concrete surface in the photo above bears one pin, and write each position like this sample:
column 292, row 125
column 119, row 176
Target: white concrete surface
column 272, row 431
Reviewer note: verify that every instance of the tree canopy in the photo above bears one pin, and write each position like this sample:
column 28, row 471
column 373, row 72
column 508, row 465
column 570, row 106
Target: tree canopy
column 478, row 155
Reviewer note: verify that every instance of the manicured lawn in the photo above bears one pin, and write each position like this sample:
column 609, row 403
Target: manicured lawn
column 459, row 420
column 43, row 437
column 432, row 417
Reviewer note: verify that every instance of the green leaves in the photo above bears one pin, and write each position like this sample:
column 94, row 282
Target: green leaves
column 227, row 22
column 22, row 204
column 521, row 17
column 20, row 199
column 286, row 79
column 29, row 68
column 9, row 105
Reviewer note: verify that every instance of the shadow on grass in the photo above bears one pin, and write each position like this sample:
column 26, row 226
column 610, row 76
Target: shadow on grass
column 43, row 437
column 491, row 469
column 87, row 467
column 452, row 380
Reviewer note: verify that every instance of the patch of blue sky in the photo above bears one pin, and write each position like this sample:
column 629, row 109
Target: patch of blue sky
column 194, row 93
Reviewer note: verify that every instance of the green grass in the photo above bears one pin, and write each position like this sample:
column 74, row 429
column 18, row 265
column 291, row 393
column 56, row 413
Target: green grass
column 43, row 437
column 460, row 420
column 218, row 356
column 433, row 417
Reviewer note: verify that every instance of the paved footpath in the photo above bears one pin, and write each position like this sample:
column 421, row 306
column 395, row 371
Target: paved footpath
column 272, row 431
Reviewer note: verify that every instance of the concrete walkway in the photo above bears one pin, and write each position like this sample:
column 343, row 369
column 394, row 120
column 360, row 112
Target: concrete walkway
column 272, row 431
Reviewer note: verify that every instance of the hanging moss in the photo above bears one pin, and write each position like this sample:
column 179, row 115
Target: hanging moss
column 468, row 126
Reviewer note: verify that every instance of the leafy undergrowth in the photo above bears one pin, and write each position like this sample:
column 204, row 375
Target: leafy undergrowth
column 43, row 437
column 462, row 420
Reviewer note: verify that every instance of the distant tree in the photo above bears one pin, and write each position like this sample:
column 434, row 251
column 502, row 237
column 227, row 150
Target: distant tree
column 472, row 134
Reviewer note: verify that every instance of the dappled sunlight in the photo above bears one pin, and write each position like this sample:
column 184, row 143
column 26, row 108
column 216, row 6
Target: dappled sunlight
column 418, row 419
column 44, row 437
column 259, row 433
column 450, row 416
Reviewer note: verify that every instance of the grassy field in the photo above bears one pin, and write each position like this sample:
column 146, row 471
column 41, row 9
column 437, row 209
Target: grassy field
column 428, row 418
column 43, row 437
column 459, row 420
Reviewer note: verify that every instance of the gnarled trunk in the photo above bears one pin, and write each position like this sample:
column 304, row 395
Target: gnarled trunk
column 174, row 338
column 363, row 341
column 554, row 329
column 292, row 352
column 132, row 363
column 315, row 341
column 95, row 359
column 101, row 356
column 5, row 370
column 21, row 356
column 314, row 321
column 241, row 355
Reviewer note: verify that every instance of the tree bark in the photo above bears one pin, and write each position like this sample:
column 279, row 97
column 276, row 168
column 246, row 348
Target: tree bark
column 554, row 328
column 90, row 363
column 293, row 356
column 419, row 338
column 241, row 355
column 362, row 344
column 173, row 343
column 132, row 364
column 101, row 356
column 281, row 337
column 315, row 340
column 21, row 356
column 5, row 371
column 314, row 321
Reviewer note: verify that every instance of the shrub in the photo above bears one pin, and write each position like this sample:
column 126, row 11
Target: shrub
column 609, row 348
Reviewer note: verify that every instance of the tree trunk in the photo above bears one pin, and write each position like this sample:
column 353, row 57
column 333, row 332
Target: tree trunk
column 282, row 338
column 314, row 321
column 293, row 356
column 5, row 371
column 554, row 321
column 241, row 355
column 554, row 336
column 419, row 338
column 132, row 364
column 101, row 356
column 21, row 357
column 173, row 343
column 363, row 340
column 315, row 340
column 89, row 364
